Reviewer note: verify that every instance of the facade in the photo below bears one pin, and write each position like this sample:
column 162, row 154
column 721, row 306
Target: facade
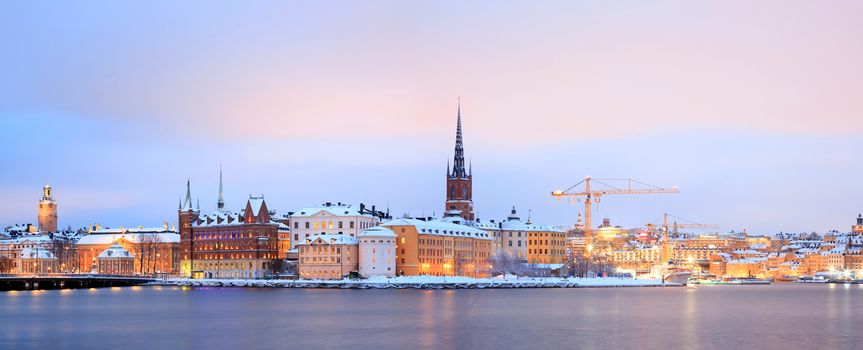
column 331, row 219
column 858, row 228
column 328, row 257
column 37, row 261
column 116, row 260
column 377, row 252
column 440, row 248
column 61, row 245
column 47, row 211
column 459, row 181
column 155, row 250
column 225, row 245
column 526, row 241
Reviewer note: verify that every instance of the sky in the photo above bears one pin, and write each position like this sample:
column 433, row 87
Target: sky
column 753, row 109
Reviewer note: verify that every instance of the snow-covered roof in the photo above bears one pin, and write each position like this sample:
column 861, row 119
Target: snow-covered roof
column 32, row 253
column 440, row 228
column 515, row 224
column 747, row 261
column 132, row 230
column 28, row 239
column 837, row 250
column 377, row 231
column 332, row 209
column 330, row 239
column 115, row 251
column 131, row 237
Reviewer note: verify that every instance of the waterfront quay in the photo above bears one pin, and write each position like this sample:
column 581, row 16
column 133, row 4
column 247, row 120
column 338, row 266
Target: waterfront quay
column 428, row 282
column 18, row 282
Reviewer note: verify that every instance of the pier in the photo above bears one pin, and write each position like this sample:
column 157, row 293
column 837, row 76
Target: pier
column 63, row 281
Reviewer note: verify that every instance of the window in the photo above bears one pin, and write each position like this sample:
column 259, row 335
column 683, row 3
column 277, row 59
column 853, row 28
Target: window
column 341, row 224
column 352, row 224
column 307, row 224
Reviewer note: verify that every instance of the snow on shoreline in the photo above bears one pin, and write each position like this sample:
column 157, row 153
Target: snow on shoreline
column 426, row 282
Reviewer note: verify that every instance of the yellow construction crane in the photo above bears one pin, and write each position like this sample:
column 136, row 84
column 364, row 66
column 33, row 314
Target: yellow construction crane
column 591, row 195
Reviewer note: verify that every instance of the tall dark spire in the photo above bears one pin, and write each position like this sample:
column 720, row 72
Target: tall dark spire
column 458, row 170
column 220, row 204
column 187, row 204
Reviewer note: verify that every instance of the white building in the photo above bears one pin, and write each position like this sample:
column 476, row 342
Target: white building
column 116, row 260
column 37, row 261
column 377, row 252
column 329, row 219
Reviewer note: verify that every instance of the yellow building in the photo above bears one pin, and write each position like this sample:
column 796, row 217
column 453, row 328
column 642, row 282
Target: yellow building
column 47, row 211
column 440, row 248
column 526, row 241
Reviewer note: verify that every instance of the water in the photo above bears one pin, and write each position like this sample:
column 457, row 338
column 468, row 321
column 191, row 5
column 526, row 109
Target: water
column 786, row 316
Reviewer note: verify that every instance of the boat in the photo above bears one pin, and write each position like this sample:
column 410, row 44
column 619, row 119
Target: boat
column 738, row 282
column 749, row 281
column 678, row 277
column 807, row 279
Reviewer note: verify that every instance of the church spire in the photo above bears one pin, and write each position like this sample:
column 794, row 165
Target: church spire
column 458, row 170
column 187, row 204
column 220, row 204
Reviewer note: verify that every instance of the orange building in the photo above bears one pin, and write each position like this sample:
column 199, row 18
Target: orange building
column 858, row 228
column 156, row 250
column 328, row 257
column 440, row 248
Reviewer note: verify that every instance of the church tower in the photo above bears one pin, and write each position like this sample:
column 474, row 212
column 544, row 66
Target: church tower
column 187, row 216
column 47, row 211
column 459, row 192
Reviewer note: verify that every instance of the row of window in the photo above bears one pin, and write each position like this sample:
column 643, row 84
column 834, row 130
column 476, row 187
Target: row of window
column 318, row 225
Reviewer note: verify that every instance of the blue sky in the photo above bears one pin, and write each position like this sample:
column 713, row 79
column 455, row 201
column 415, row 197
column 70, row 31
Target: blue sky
column 753, row 110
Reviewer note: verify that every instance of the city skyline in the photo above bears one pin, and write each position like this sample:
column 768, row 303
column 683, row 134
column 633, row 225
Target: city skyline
column 116, row 130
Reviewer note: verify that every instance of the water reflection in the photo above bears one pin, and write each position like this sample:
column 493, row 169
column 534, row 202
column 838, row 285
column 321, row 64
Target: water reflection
column 791, row 316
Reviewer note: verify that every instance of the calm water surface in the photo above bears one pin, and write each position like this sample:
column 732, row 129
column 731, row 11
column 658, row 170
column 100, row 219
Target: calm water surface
column 785, row 316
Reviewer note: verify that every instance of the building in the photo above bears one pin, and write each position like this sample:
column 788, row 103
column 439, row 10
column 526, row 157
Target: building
column 858, row 228
column 439, row 248
column 229, row 245
column 155, row 250
column 116, row 260
column 331, row 219
column 526, row 241
column 459, row 181
column 47, row 211
column 328, row 256
column 60, row 244
column 377, row 252
column 37, row 261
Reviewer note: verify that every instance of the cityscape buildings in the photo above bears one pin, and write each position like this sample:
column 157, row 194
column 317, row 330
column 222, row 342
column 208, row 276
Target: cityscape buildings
column 335, row 240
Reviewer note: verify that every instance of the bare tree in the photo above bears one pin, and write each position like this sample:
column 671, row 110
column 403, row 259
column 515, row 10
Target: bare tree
column 66, row 252
column 7, row 263
column 147, row 252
